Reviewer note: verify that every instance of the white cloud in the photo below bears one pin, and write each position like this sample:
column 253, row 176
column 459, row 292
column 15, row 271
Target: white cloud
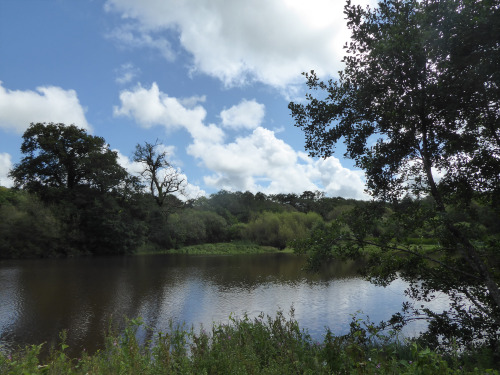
column 47, row 104
column 126, row 73
column 248, row 114
column 270, row 41
column 5, row 167
column 256, row 162
column 132, row 36
column 262, row 162
column 152, row 107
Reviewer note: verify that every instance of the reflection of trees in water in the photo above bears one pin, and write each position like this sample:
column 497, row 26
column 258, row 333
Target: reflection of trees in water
column 82, row 295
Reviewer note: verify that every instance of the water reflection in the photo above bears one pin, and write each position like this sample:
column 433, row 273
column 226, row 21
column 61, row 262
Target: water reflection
column 39, row 298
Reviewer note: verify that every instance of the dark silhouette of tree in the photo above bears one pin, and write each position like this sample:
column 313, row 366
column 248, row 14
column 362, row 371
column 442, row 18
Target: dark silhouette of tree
column 161, row 177
column 418, row 108
column 60, row 156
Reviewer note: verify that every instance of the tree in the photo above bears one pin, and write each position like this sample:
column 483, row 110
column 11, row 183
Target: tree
column 60, row 156
column 92, row 197
column 163, row 179
column 418, row 108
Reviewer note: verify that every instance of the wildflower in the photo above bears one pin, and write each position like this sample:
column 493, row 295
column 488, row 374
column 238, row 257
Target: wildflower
column 115, row 343
column 410, row 362
column 378, row 365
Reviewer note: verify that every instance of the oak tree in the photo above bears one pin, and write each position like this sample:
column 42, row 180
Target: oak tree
column 61, row 156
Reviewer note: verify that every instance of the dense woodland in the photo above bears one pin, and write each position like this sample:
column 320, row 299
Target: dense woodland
column 89, row 222
column 86, row 221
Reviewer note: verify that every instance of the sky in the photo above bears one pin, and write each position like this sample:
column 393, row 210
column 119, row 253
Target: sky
column 209, row 79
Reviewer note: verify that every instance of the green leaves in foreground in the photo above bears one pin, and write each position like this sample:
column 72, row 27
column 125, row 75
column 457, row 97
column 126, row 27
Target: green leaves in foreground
column 264, row 345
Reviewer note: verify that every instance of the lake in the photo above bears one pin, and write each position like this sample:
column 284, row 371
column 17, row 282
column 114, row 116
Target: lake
column 40, row 298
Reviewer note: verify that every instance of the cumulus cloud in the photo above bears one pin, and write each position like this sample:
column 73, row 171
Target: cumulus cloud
column 152, row 107
column 248, row 114
column 262, row 162
column 5, row 167
column 47, row 104
column 255, row 162
column 270, row 41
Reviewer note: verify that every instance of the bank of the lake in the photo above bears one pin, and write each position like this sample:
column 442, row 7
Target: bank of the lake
column 220, row 248
column 264, row 345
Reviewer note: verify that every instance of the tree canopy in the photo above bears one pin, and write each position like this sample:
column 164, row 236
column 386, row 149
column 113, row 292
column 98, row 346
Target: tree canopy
column 418, row 108
column 61, row 156
column 92, row 200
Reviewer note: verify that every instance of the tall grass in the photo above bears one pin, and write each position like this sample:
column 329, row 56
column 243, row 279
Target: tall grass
column 264, row 345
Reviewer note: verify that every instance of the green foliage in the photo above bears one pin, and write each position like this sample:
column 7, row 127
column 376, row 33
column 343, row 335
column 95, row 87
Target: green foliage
column 419, row 96
column 191, row 227
column 264, row 345
column 60, row 156
column 238, row 247
column 28, row 228
column 277, row 229
column 82, row 201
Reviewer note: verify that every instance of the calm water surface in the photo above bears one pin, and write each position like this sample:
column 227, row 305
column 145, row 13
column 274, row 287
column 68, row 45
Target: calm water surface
column 40, row 298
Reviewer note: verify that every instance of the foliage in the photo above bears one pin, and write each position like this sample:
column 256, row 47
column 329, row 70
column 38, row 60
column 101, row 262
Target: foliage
column 417, row 107
column 191, row 227
column 277, row 229
column 28, row 228
column 225, row 248
column 86, row 203
column 263, row 345
column 60, row 156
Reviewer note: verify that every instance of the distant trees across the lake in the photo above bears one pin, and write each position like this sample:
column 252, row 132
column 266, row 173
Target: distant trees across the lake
column 86, row 221
column 71, row 197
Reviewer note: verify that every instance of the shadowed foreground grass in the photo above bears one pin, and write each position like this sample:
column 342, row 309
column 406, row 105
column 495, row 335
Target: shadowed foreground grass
column 264, row 345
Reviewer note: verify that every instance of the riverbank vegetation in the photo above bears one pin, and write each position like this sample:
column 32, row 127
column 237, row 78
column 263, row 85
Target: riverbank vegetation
column 84, row 221
column 264, row 345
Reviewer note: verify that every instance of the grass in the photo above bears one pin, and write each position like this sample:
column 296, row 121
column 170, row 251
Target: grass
column 264, row 345
column 222, row 248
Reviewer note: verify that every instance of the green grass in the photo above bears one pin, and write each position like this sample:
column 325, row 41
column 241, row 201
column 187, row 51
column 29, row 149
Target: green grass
column 226, row 248
column 264, row 345
column 222, row 248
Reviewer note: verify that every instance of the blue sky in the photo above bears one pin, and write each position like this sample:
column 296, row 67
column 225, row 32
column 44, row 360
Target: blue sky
column 210, row 79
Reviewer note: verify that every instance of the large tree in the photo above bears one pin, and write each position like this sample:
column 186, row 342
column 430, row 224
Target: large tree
column 90, row 194
column 418, row 108
column 61, row 156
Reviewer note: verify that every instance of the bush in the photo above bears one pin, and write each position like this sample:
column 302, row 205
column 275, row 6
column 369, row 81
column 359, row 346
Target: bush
column 277, row 229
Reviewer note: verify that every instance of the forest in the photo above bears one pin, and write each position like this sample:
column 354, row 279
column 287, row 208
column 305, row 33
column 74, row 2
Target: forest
column 84, row 220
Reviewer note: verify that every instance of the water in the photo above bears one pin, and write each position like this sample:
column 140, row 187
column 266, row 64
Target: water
column 40, row 298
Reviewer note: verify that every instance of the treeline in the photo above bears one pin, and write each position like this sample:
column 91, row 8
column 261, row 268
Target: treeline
column 71, row 197
column 85, row 221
